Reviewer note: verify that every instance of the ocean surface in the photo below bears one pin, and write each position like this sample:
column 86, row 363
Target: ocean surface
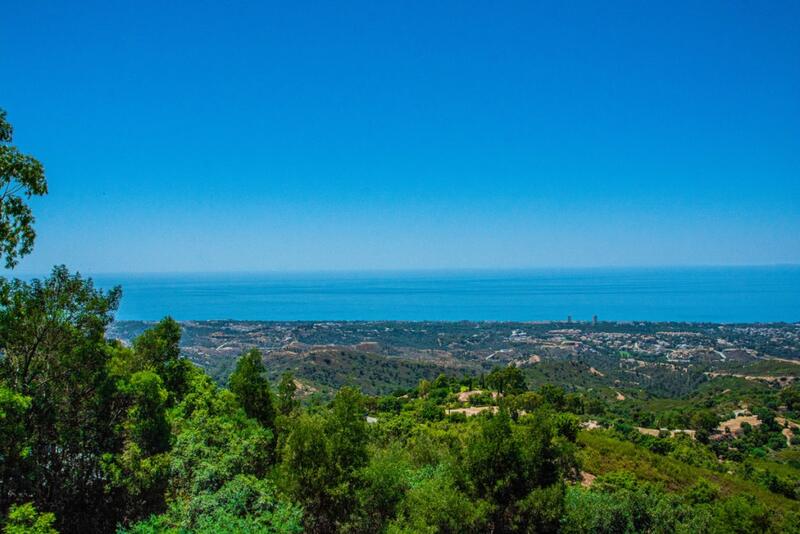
column 731, row 294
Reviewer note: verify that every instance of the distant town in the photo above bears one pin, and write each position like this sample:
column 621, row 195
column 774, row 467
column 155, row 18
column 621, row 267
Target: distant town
column 621, row 354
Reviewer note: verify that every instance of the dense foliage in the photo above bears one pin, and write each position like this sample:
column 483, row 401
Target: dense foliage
column 149, row 443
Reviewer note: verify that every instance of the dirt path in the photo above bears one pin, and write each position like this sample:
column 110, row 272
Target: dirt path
column 587, row 479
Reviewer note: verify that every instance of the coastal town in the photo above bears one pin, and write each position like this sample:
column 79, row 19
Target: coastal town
column 623, row 353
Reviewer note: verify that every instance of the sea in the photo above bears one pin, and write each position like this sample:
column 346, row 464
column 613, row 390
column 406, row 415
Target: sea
column 696, row 294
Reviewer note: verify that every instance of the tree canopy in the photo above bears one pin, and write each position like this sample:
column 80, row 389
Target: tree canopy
column 21, row 177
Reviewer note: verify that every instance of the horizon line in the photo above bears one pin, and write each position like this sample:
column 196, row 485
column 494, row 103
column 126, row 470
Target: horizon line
column 412, row 270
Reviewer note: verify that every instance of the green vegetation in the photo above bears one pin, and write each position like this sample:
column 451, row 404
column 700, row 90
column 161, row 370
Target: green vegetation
column 153, row 445
column 371, row 373
column 251, row 388
column 21, row 177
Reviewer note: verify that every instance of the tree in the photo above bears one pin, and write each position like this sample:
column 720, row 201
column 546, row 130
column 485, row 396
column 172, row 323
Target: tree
column 322, row 458
column 347, row 429
column 430, row 411
column 575, row 403
column 14, row 439
column 528, row 401
column 146, row 424
column 704, row 420
column 441, row 381
column 791, row 398
column 743, row 514
column 507, row 380
column 21, row 177
column 492, row 461
column 250, row 386
column 516, row 469
column 309, row 474
column 633, row 509
column 158, row 349
column 215, row 440
column 768, row 421
column 435, row 504
column 244, row 504
column 52, row 337
column 553, row 395
column 383, row 483
column 24, row 519
column 424, row 387
column 286, row 391
column 702, row 492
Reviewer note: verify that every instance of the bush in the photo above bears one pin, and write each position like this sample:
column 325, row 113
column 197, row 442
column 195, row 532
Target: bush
column 24, row 519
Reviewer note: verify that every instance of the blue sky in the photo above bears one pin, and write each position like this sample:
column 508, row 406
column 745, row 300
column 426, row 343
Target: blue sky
column 249, row 136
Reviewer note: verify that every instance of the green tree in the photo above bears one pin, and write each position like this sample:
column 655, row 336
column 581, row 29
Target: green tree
column 286, row 391
column 629, row 509
column 424, row 387
column 24, row 519
column 704, row 420
column 493, row 462
column 309, row 474
column 347, row 429
column 14, row 439
column 217, row 467
column 702, row 492
column 434, row 504
column 138, row 474
column 54, row 352
column 575, row 403
column 516, row 469
column 322, row 459
column 552, row 395
column 21, row 177
column 382, row 485
column 245, row 504
column 147, row 424
column 742, row 514
column 441, row 381
column 215, row 441
column 430, row 411
column 790, row 397
column 768, row 422
column 250, row 386
column 158, row 349
column 528, row 401
column 507, row 380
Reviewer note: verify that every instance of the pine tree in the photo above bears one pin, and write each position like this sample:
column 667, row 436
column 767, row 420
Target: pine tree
column 250, row 386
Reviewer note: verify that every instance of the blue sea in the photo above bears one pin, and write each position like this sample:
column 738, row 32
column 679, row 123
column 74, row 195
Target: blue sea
column 730, row 294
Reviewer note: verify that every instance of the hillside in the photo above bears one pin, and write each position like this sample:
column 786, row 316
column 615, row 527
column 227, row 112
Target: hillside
column 463, row 427
column 661, row 359
column 373, row 374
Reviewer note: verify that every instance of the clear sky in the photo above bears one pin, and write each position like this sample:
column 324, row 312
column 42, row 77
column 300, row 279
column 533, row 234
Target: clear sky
column 248, row 136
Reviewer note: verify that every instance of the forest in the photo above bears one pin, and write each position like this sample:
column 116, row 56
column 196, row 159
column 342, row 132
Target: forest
column 101, row 437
